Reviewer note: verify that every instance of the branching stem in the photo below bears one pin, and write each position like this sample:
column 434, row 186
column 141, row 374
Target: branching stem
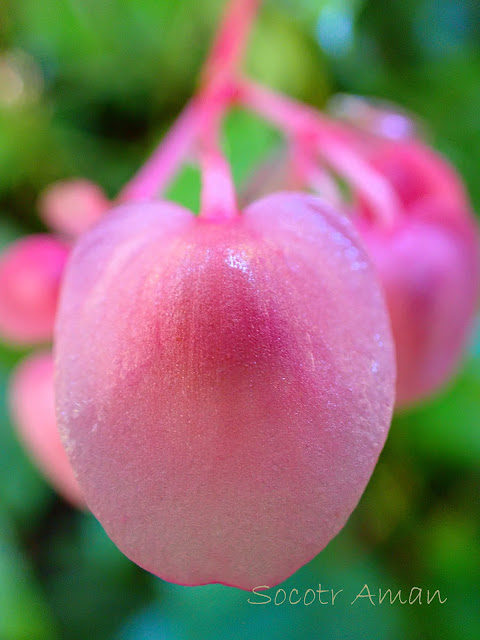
column 215, row 93
column 329, row 139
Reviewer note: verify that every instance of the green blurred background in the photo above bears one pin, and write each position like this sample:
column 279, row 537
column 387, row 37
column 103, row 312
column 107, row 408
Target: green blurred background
column 86, row 89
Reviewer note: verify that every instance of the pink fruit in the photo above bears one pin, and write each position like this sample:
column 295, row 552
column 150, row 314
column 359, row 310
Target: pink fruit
column 224, row 387
column 72, row 206
column 33, row 410
column 429, row 266
column 30, row 274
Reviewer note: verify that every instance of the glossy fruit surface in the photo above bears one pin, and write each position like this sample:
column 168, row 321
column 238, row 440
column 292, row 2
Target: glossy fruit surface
column 224, row 387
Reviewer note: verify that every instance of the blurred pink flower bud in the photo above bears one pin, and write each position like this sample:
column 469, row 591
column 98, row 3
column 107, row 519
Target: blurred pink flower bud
column 30, row 273
column 72, row 206
column 429, row 266
column 33, row 411
column 428, row 263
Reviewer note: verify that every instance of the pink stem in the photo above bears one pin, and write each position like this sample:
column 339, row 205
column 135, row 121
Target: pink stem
column 162, row 165
column 375, row 189
column 304, row 125
column 293, row 117
column 219, row 200
column 310, row 174
column 227, row 50
column 157, row 172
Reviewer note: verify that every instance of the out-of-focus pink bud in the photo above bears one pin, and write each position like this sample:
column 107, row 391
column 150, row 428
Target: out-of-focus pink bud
column 429, row 267
column 70, row 207
column 428, row 263
column 33, row 411
column 30, row 273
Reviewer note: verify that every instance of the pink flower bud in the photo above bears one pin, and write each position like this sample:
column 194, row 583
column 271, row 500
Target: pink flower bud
column 33, row 411
column 224, row 386
column 72, row 206
column 30, row 273
column 429, row 267
column 428, row 263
